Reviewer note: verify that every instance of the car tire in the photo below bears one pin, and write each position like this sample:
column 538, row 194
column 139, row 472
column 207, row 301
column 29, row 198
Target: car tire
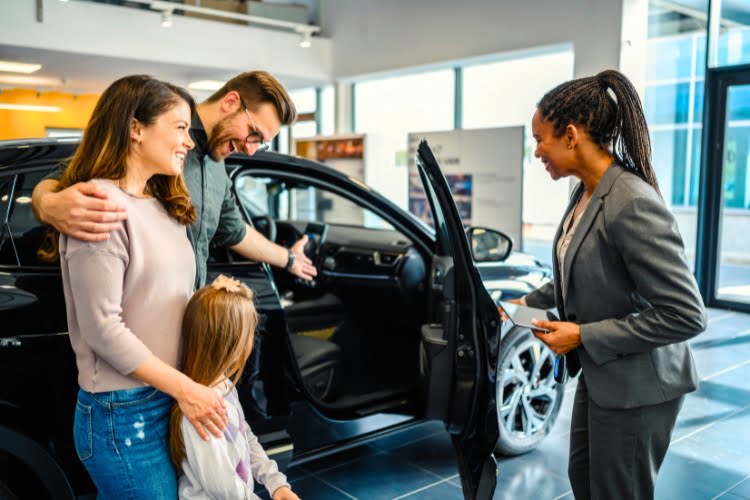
column 528, row 397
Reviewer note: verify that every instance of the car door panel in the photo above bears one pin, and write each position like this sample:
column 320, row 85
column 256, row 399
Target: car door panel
column 460, row 344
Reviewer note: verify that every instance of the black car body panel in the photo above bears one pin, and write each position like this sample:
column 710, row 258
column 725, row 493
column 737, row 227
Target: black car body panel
column 386, row 268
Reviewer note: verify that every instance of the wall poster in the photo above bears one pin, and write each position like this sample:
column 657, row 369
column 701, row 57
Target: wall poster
column 483, row 168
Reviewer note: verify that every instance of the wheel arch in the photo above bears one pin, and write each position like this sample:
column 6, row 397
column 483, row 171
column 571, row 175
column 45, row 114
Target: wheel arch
column 37, row 459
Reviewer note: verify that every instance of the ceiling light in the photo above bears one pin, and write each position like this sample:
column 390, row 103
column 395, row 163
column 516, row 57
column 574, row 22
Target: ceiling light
column 206, row 85
column 304, row 40
column 31, row 81
column 17, row 67
column 166, row 18
column 31, row 107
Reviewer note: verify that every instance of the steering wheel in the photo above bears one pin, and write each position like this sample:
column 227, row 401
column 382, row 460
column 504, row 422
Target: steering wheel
column 265, row 225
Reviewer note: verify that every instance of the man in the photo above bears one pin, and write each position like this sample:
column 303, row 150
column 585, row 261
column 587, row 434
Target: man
column 244, row 115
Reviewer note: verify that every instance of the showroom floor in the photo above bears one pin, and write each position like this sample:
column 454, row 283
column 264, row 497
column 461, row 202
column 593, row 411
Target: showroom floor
column 708, row 458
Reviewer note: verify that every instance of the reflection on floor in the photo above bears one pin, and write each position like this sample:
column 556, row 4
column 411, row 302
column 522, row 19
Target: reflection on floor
column 708, row 458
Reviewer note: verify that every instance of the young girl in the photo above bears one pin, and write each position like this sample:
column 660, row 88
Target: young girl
column 218, row 335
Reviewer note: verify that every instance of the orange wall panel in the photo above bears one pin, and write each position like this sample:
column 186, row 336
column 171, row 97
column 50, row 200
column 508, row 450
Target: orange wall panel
column 76, row 110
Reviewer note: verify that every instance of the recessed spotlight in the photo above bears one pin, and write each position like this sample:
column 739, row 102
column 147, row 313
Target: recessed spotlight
column 166, row 18
column 304, row 40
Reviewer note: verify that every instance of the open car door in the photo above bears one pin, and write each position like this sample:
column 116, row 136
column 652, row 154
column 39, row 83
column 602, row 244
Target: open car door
column 461, row 341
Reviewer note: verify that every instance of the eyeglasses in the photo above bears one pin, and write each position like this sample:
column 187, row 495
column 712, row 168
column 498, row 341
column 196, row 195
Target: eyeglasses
column 254, row 138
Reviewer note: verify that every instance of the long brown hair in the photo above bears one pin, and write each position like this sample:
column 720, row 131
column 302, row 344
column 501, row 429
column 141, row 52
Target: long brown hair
column 259, row 87
column 618, row 122
column 106, row 144
column 218, row 332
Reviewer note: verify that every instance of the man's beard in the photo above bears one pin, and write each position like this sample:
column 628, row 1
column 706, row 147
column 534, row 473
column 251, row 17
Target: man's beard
column 217, row 139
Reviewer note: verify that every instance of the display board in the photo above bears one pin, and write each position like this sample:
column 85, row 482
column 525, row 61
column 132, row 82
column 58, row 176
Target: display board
column 344, row 153
column 484, row 168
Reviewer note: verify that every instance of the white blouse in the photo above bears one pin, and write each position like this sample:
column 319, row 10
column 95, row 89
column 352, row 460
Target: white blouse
column 224, row 468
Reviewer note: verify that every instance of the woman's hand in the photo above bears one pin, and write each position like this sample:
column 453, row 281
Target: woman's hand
column 563, row 336
column 204, row 408
column 284, row 493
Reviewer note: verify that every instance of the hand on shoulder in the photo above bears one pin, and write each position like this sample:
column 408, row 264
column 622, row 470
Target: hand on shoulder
column 85, row 211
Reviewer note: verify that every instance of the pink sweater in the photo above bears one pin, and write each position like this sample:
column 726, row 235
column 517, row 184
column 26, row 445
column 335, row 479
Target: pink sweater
column 125, row 296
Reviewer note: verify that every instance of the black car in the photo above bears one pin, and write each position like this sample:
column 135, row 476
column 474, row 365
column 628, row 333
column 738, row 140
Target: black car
column 399, row 326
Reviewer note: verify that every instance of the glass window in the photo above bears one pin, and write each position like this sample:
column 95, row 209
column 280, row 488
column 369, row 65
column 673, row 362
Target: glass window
column 303, row 99
column 327, row 113
column 420, row 102
column 736, row 155
column 26, row 233
column 286, row 201
column 700, row 55
column 732, row 41
column 669, row 59
column 669, row 159
column 698, row 102
column 7, row 252
column 673, row 104
column 505, row 93
column 739, row 103
column 667, row 103
column 695, row 166
column 302, row 129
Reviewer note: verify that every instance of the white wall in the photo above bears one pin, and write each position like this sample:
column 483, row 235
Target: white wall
column 136, row 34
column 383, row 35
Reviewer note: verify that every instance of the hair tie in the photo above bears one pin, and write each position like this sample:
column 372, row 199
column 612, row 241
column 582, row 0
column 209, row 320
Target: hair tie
column 231, row 285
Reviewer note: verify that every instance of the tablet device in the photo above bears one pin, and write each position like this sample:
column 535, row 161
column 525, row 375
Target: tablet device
column 522, row 315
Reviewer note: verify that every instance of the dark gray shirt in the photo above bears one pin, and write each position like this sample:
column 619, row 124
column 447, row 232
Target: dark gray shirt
column 218, row 220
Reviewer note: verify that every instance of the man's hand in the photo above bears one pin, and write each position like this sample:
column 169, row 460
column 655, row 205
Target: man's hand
column 82, row 211
column 302, row 266
column 284, row 493
column 563, row 336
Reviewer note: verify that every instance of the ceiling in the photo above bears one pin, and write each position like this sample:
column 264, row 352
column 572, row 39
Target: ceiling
column 82, row 73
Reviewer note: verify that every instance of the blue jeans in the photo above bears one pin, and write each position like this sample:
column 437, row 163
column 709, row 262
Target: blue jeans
column 122, row 439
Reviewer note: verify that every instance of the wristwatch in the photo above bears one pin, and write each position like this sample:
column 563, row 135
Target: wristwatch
column 290, row 262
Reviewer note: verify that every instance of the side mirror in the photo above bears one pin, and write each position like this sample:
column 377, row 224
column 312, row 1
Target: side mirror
column 488, row 245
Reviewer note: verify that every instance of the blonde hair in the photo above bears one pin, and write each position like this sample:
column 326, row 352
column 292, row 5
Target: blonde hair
column 218, row 332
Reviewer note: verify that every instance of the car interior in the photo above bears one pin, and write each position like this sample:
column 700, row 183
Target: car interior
column 354, row 329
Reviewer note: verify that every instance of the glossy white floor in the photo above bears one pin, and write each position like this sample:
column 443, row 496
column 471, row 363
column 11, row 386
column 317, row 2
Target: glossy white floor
column 709, row 457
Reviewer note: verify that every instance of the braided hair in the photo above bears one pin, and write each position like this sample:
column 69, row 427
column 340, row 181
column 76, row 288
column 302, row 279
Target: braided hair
column 618, row 122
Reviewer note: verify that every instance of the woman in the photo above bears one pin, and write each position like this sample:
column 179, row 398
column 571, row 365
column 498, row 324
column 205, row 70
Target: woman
column 126, row 295
column 625, row 295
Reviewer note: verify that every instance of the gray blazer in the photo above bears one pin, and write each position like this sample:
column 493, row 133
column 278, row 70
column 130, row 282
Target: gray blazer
column 629, row 287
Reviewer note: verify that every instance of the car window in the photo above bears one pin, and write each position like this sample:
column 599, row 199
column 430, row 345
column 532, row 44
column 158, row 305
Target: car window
column 286, row 201
column 23, row 234
column 7, row 254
